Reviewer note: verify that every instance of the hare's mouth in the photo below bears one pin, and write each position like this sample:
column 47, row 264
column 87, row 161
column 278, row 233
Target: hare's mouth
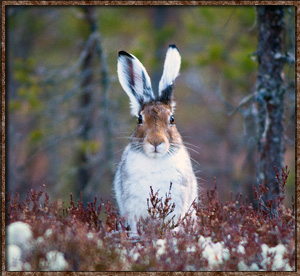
column 156, row 150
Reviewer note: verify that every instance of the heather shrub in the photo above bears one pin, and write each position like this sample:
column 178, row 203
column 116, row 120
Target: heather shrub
column 213, row 235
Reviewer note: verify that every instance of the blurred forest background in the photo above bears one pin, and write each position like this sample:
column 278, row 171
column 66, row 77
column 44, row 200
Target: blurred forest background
column 68, row 117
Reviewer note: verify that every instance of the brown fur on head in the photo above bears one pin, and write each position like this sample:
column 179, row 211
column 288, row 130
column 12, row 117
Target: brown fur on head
column 156, row 132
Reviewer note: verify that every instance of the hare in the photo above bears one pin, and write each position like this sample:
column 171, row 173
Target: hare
column 155, row 155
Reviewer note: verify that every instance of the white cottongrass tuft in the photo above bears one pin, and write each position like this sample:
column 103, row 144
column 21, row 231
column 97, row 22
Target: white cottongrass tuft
column 13, row 256
column 134, row 252
column 273, row 255
column 20, row 234
column 161, row 247
column 90, row 236
column 241, row 249
column 48, row 233
column 55, row 261
column 215, row 253
column 39, row 241
column 279, row 263
column 243, row 267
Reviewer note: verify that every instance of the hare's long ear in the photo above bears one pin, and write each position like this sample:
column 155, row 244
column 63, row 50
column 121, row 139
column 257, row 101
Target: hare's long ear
column 135, row 81
column 171, row 71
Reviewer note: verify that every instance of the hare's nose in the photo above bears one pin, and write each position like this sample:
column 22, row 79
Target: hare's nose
column 155, row 143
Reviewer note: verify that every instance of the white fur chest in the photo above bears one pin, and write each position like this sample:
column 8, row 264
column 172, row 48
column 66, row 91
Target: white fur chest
column 137, row 172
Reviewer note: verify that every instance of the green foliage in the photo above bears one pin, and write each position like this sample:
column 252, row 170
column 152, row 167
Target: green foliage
column 23, row 70
column 14, row 105
column 226, row 40
column 184, row 64
column 164, row 34
column 209, row 15
column 31, row 95
column 35, row 136
column 110, row 20
column 89, row 147
column 216, row 54
column 29, row 92
column 73, row 26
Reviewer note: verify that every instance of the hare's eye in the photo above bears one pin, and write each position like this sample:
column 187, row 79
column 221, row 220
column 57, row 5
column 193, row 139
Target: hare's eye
column 140, row 119
column 172, row 120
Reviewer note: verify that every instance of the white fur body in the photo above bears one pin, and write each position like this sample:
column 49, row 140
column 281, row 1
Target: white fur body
column 137, row 172
column 156, row 155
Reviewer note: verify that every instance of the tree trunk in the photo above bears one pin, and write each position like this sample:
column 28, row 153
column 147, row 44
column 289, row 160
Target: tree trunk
column 159, row 17
column 84, row 174
column 105, row 105
column 85, row 101
column 270, row 95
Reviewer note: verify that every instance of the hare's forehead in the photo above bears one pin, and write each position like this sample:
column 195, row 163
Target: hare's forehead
column 156, row 109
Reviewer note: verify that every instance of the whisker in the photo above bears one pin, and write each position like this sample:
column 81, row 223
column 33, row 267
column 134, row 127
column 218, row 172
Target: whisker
column 192, row 150
column 136, row 146
column 170, row 152
column 189, row 148
column 174, row 144
column 173, row 147
column 115, row 152
column 129, row 137
column 137, row 139
column 190, row 144
column 195, row 161
column 124, row 137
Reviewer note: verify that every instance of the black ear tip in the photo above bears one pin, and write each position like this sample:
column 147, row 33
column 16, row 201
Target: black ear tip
column 123, row 53
column 173, row 46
